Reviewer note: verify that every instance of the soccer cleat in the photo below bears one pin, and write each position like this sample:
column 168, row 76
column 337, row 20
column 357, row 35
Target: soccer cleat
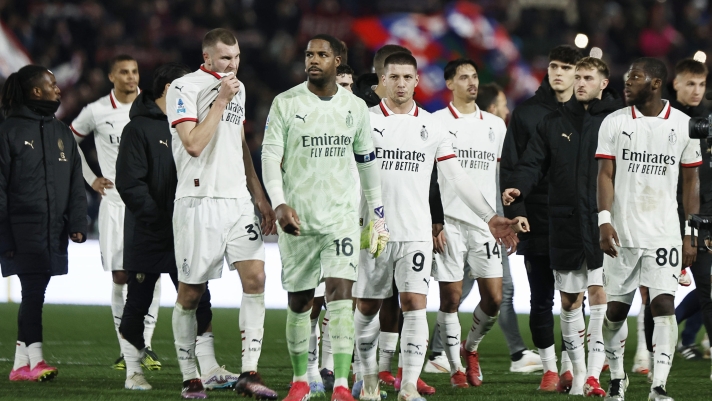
column 565, row 381
column 386, row 378
column 250, row 384
column 641, row 363
column 119, row 364
column 422, row 387
column 219, row 377
column 193, row 389
column 549, row 381
column 684, row 280
column 529, row 362
column 316, row 389
column 20, row 374
column 299, row 391
column 690, row 353
column 659, row 394
column 437, row 364
column 137, row 381
column 592, row 388
column 370, row 390
column 459, row 380
column 408, row 393
column 341, row 393
column 616, row 389
column 150, row 360
column 327, row 377
column 472, row 363
column 43, row 372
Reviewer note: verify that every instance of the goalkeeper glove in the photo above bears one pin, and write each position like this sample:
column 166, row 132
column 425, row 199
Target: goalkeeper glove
column 376, row 235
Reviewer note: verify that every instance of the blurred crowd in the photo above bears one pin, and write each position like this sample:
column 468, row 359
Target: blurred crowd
column 75, row 38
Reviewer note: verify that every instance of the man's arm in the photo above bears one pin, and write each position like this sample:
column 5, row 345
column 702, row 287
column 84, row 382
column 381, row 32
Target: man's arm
column 604, row 196
column 77, row 200
column 515, row 138
column 691, row 204
column 82, row 126
column 255, row 188
column 7, row 241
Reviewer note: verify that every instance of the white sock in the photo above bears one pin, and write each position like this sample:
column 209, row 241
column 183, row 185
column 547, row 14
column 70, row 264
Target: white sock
column 614, row 336
column 640, row 329
column 481, row 325
column 548, row 358
column 149, row 321
column 388, row 342
column 118, row 300
column 185, row 329
column 596, row 349
column 356, row 364
column 565, row 362
column 205, row 352
column 367, row 330
column 450, row 333
column 252, row 326
column 414, row 345
column 327, row 358
column 132, row 357
column 21, row 357
column 573, row 328
column 34, row 352
column 313, row 361
column 664, row 338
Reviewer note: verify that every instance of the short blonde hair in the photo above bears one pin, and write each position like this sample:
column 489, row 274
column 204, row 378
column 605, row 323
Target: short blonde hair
column 593, row 63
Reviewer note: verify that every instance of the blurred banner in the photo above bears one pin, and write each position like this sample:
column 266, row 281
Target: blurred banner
column 12, row 55
column 461, row 30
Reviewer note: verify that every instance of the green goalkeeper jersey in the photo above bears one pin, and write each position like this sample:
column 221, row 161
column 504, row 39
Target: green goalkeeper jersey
column 320, row 138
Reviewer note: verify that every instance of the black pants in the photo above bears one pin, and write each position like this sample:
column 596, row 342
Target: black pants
column 541, row 285
column 29, row 317
column 138, row 299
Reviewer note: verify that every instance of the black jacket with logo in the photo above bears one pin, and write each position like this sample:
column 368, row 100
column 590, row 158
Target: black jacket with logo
column 42, row 196
column 563, row 150
column 146, row 180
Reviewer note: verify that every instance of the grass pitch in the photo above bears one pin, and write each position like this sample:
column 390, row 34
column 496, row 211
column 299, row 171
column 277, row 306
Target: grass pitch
column 81, row 342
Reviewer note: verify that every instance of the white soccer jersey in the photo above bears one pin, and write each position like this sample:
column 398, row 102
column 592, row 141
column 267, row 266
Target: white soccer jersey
column 477, row 139
column 219, row 171
column 407, row 146
column 649, row 152
column 105, row 117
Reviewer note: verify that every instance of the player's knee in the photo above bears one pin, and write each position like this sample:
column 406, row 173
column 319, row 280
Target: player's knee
column 663, row 305
column 368, row 307
column 617, row 311
column 450, row 301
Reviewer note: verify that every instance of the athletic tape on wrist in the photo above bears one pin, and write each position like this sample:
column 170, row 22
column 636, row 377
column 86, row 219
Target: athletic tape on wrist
column 604, row 217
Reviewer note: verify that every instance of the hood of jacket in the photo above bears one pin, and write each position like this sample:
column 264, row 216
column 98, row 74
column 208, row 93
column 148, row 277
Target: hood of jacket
column 610, row 101
column 25, row 112
column 144, row 106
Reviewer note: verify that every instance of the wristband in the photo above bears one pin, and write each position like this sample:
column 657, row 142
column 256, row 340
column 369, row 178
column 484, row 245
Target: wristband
column 604, row 217
column 688, row 229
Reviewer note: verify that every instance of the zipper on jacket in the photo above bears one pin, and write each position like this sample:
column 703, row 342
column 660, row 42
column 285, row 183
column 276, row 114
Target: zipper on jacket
column 49, row 211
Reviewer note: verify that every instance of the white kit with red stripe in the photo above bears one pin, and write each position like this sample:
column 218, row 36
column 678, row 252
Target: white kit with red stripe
column 477, row 138
column 648, row 152
column 219, row 171
column 106, row 118
column 407, row 146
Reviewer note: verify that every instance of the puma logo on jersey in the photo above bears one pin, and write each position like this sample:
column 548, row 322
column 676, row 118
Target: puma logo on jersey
column 298, row 117
column 453, row 337
column 254, row 340
column 413, row 345
column 567, row 136
column 627, row 134
column 453, row 133
column 30, row 144
column 353, row 265
column 665, row 355
column 180, row 88
column 110, row 123
column 379, row 131
column 163, row 142
column 427, row 282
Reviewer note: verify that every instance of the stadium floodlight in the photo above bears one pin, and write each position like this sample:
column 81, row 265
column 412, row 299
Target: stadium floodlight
column 596, row 52
column 700, row 56
column 581, row 41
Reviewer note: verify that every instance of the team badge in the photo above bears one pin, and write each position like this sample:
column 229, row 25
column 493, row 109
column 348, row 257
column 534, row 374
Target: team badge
column 672, row 137
column 185, row 267
column 349, row 120
column 140, row 277
column 424, row 134
column 60, row 145
column 491, row 135
column 558, row 277
column 180, row 106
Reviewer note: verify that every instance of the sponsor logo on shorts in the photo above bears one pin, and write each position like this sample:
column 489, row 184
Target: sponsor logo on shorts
column 185, row 267
column 559, row 279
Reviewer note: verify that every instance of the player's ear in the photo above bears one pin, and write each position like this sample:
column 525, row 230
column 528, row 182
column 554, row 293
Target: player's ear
column 657, row 83
column 337, row 60
column 165, row 89
column 604, row 84
column 417, row 79
column 450, row 85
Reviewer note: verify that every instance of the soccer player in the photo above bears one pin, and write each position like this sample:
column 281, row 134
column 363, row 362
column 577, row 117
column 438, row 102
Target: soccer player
column 408, row 142
column 576, row 258
column 555, row 89
column 106, row 118
column 345, row 77
column 214, row 218
column 492, row 99
column 314, row 131
column 641, row 150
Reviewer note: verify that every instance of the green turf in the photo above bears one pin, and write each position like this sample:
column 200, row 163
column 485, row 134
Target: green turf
column 80, row 340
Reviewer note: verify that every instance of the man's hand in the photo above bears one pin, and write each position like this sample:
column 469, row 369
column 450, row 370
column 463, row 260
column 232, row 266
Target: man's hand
column 509, row 195
column 268, row 217
column 100, row 184
column 689, row 253
column 77, row 237
column 501, row 229
column 229, row 86
column 288, row 219
column 439, row 241
column 609, row 240
column 522, row 225
column 375, row 236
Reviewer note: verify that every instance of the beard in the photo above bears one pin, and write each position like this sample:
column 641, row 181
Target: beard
column 640, row 98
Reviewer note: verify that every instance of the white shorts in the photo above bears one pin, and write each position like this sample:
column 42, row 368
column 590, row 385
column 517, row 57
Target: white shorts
column 409, row 262
column 320, row 290
column 577, row 281
column 657, row 269
column 466, row 244
column 111, row 235
column 208, row 231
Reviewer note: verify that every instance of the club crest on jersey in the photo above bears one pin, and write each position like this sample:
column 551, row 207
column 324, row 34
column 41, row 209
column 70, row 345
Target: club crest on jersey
column 180, row 106
column 424, row 134
column 491, row 135
column 60, row 145
column 672, row 137
column 349, row 120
